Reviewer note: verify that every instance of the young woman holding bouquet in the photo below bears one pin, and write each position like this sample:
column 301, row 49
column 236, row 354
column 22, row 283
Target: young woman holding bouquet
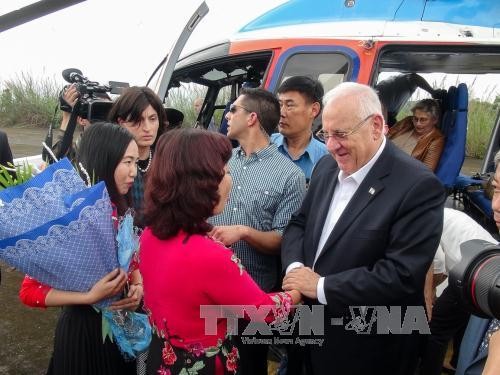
column 182, row 267
column 141, row 112
column 108, row 153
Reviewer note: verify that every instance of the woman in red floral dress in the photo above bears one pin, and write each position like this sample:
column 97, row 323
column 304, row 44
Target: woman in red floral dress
column 183, row 268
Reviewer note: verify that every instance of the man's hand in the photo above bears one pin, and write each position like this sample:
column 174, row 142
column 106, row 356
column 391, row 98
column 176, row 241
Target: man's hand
column 303, row 279
column 132, row 301
column 71, row 95
column 228, row 234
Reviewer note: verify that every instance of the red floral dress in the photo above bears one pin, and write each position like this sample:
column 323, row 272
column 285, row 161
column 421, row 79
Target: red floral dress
column 181, row 274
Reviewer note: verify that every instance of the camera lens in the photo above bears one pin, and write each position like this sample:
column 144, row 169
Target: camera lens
column 484, row 285
column 477, row 278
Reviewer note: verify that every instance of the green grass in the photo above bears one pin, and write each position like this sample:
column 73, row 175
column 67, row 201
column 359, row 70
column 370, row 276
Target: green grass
column 481, row 120
column 28, row 102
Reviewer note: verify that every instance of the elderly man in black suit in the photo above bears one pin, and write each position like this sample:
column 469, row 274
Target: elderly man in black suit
column 363, row 238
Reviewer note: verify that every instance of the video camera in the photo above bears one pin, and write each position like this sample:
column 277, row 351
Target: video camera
column 477, row 278
column 94, row 102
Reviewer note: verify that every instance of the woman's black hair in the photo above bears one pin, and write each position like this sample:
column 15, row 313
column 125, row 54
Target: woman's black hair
column 101, row 149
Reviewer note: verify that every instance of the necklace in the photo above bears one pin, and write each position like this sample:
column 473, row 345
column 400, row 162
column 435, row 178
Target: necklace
column 149, row 163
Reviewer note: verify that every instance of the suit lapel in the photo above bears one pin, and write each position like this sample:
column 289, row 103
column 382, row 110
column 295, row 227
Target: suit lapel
column 366, row 192
column 326, row 191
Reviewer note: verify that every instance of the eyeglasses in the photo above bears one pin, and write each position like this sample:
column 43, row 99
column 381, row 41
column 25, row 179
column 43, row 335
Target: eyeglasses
column 341, row 134
column 234, row 107
column 422, row 120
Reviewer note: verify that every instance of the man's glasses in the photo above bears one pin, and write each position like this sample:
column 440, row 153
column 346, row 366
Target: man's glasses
column 341, row 134
column 233, row 108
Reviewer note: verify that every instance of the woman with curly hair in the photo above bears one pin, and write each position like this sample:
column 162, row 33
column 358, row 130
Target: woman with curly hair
column 182, row 267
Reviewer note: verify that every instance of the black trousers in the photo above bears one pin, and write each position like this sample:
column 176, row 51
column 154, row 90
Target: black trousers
column 253, row 357
column 449, row 320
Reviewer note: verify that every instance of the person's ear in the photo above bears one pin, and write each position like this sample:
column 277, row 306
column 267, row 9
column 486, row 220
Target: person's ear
column 253, row 119
column 435, row 121
column 315, row 109
column 378, row 126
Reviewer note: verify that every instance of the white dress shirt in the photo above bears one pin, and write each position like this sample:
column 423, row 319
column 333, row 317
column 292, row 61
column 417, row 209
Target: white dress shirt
column 344, row 191
column 458, row 227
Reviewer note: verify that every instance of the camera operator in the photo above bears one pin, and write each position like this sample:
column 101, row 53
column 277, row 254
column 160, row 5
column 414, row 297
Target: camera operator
column 82, row 102
column 69, row 97
column 480, row 349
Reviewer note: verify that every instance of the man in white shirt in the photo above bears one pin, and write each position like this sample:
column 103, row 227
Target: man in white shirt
column 449, row 315
column 365, row 235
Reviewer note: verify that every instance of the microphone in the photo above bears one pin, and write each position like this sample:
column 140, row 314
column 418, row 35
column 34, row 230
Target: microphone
column 72, row 75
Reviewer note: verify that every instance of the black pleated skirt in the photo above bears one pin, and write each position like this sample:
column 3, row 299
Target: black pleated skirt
column 79, row 348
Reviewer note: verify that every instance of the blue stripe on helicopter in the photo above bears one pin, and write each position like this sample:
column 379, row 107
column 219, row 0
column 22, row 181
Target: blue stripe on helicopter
column 485, row 13
column 352, row 55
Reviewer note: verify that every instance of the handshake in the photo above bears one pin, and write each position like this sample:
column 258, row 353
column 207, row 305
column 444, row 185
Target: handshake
column 302, row 279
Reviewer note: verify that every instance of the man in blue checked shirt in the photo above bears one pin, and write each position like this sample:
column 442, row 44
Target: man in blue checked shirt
column 300, row 103
column 267, row 189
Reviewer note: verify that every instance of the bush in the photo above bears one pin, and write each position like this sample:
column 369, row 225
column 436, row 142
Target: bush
column 26, row 102
column 480, row 123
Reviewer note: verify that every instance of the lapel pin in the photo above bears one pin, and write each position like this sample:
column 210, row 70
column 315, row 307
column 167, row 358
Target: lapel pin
column 371, row 191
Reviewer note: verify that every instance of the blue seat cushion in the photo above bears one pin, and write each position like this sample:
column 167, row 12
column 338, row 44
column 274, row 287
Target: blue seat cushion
column 462, row 181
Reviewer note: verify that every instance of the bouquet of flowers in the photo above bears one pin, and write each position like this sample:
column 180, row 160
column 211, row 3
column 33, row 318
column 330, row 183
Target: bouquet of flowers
column 30, row 204
column 59, row 231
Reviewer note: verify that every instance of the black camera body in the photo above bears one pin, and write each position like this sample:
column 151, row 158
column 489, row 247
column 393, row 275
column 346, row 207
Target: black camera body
column 477, row 278
column 94, row 102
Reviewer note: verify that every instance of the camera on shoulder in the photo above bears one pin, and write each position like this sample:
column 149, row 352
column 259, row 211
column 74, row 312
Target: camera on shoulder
column 94, row 101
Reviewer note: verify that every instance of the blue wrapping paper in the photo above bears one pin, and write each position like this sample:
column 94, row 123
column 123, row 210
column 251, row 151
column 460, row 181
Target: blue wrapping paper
column 73, row 251
column 39, row 200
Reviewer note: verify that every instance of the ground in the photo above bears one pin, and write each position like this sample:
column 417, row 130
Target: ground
column 26, row 334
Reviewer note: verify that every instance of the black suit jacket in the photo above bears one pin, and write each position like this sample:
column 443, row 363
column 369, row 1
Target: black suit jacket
column 5, row 152
column 377, row 255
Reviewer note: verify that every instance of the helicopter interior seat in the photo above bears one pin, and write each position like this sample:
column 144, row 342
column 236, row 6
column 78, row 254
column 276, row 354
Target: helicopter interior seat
column 454, row 128
column 395, row 91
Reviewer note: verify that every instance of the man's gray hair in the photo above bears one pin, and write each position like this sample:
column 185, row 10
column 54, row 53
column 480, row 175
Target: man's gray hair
column 366, row 97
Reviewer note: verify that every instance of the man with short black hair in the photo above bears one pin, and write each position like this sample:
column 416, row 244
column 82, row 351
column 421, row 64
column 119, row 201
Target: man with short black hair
column 267, row 189
column 300, row 103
